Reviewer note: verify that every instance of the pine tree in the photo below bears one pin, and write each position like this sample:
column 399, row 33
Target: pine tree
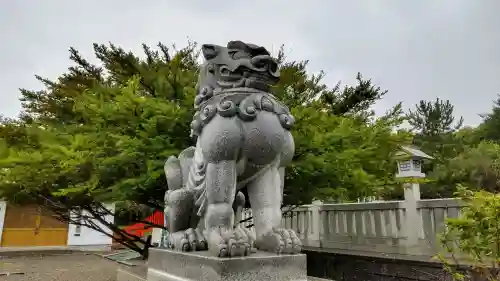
column 434, row 118
column 434, row 124
column 490, row 128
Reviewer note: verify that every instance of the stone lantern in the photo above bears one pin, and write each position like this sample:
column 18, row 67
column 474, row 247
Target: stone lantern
column 410, row 160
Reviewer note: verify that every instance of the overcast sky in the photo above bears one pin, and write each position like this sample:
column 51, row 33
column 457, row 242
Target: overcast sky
column 415, row 49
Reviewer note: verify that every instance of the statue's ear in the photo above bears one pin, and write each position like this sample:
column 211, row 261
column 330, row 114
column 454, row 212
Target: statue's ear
column 209, row 51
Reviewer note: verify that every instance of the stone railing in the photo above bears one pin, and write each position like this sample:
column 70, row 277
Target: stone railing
column 390, row 228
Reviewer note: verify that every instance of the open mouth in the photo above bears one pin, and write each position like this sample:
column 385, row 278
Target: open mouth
column 261, row 77
column 239, row 73
column 242, row 76
column 250, row 80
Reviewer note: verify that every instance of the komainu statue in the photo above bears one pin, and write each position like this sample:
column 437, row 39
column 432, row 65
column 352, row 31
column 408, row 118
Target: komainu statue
column 242, row 141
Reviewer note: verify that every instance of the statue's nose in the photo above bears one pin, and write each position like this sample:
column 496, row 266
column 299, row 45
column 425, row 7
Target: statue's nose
column 263, row 61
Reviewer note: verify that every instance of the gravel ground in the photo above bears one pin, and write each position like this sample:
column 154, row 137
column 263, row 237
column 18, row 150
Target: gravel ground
column 69, row 267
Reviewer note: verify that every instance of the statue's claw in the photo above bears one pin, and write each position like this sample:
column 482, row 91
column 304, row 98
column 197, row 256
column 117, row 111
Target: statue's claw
column 202, row 241
column 224, row 242
column 187, row 240
column 280, row 241
column 249, row 236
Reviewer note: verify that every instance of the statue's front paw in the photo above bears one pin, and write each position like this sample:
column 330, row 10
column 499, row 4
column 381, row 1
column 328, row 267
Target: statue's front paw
column 250, row 234
column 248, row 237
column 223, row 242
column 187, row 240
column 280, row 241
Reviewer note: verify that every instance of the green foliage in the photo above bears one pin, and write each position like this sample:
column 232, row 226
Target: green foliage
column 477, row 167
column 341, row 158
column 354, row 101
column 468, row 137
column 490, row 128
column 468, row 156
column 474, row 237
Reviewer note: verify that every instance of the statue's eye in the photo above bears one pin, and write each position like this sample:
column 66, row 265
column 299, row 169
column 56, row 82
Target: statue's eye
column 224, row 70
column 232, row 54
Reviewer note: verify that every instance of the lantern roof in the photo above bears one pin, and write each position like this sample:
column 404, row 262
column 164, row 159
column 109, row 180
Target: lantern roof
column 411, row 152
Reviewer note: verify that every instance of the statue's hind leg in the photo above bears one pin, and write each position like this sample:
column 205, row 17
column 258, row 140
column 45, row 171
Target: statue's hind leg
column 265, row 194
column 221, row 143
column 222, row 237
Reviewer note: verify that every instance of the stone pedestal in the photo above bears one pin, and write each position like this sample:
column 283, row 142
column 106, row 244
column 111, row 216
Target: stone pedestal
column 166, row 265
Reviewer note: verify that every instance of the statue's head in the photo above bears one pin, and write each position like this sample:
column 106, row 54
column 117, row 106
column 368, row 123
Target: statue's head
column 238, row 65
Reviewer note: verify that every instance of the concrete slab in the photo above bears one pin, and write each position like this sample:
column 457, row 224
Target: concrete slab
column 166, row 265
column 139, row 273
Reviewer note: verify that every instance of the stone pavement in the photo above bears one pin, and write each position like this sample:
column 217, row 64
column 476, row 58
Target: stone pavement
column 62, row 267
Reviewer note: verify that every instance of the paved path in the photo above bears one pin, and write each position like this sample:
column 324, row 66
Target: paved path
column 69, row 267
column 97, row 248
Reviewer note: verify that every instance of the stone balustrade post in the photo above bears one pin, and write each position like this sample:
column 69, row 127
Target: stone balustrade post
column 412, row 224
column 3, row 209
column 314, row 236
